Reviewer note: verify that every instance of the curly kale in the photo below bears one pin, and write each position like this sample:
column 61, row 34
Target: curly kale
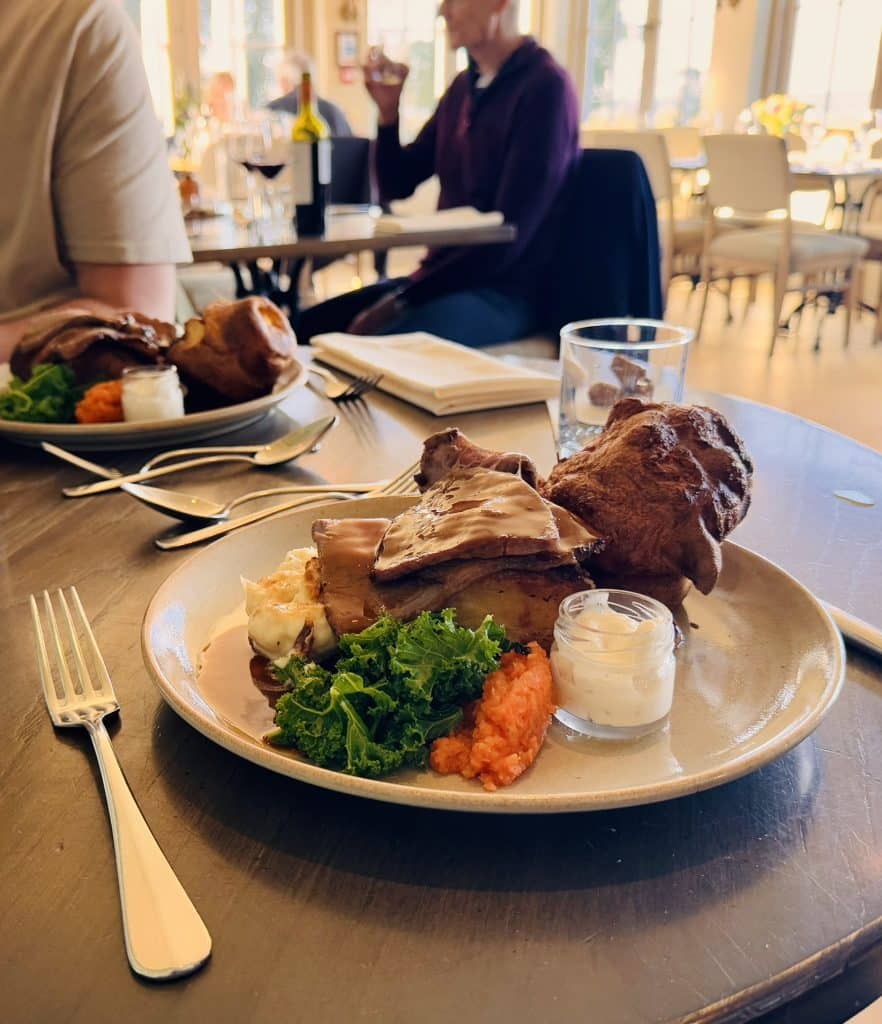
column 50, row 395
column 395, row 688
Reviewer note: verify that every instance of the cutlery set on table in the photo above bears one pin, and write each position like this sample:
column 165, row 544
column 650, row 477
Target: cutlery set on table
column 194, row 510
column 165, row 937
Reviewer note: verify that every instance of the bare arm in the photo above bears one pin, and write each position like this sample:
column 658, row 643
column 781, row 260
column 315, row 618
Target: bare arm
column 106, row 288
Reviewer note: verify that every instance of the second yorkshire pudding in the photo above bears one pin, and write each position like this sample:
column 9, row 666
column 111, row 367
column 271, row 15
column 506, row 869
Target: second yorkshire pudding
column 237, row 349
column 663, row 485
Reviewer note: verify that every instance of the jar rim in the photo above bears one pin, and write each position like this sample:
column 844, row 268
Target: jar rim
column 618, row 601
column 149, row 369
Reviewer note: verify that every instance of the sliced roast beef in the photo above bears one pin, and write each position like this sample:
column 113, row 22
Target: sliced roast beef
column 94, row 347
column 450, row 449
column 522, row 593
column 479, row 514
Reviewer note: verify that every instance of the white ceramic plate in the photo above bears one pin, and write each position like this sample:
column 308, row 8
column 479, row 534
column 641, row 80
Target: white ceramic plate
column 192, row 427
column 762, row 665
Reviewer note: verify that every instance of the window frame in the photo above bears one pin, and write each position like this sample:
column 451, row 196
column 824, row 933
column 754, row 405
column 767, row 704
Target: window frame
column 578, row 54
column 779, row 78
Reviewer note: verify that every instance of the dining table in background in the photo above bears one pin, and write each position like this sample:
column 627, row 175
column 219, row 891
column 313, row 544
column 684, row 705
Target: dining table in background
column 720, row 906
column 273, row 253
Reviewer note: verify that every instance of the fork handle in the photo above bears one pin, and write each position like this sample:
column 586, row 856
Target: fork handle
column 165, row 936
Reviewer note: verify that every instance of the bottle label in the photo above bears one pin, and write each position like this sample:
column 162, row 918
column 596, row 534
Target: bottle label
column 302, row 170
column 324, row 161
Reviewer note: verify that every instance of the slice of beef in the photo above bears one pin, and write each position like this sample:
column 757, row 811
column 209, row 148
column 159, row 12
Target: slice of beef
column 95, row 347
column 479, row 514
column 521, row 593
column 450, row 449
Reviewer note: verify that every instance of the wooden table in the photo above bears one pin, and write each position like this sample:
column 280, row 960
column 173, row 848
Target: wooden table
column 713, row 907
column 222, row 239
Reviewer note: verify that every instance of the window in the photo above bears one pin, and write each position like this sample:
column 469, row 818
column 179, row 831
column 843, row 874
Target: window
column 410, row 31
column 647, row 61
column 685, row 36
column 834, row 55
column 616, row 56
column 243, row 38
column 151, row 21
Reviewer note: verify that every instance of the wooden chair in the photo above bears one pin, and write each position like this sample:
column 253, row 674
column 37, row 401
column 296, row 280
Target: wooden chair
column 750, row 176
column 870, row 229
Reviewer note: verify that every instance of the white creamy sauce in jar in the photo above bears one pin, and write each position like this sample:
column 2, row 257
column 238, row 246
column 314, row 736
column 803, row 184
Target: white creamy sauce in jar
column 151, row 393
column 613, row 659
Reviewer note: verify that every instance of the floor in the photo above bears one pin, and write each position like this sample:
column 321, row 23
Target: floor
column 837, row 387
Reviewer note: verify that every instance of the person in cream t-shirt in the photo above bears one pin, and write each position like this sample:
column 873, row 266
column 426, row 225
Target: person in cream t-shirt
column 89, row 212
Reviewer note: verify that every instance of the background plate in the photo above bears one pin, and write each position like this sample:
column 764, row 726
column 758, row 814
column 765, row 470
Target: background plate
column 118, row 436
column 761, row 666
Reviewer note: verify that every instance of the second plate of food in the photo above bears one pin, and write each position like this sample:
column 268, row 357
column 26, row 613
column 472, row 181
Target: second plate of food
column 761, row 665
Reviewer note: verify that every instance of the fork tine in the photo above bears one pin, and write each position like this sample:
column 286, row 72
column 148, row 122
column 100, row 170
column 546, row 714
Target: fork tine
column 403, row 483
column 83, row 673
column 49, row 691
column 106, row 686
column 68, row 689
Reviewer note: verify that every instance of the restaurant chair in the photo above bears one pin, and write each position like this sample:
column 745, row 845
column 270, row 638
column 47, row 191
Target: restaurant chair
column 870, row 229
column 352, row 184
column 681, row 237
column 603, row 240
column 750, row 179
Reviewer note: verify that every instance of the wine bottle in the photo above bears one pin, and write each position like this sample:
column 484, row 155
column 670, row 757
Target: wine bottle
column 311, row 161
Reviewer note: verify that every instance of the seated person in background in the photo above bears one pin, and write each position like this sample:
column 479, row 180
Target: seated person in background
column 219, row 94
column 289, row 74
column 503, row 137
column 89, row 214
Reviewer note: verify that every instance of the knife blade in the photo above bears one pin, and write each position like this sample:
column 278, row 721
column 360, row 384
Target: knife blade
column 855, row 631
column 184, row 540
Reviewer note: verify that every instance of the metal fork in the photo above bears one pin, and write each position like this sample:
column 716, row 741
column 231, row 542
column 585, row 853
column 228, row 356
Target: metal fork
column 164, row 934
column 345, row 391
column 400, row 485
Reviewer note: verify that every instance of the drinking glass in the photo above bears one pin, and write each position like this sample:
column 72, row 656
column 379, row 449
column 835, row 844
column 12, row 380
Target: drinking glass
column 605, row 360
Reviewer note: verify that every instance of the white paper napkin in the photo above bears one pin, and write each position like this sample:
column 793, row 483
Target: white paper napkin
column 440, row 376
column 441, row 220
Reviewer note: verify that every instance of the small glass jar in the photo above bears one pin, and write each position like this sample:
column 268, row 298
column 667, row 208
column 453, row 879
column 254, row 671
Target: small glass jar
column 151, row 393
column 613, row 664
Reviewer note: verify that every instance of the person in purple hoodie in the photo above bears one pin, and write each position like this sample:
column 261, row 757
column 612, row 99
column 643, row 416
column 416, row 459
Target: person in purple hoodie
column 503, row 137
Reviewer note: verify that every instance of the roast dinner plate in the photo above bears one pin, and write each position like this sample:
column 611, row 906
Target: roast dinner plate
column 191, row 427
column 761, row 665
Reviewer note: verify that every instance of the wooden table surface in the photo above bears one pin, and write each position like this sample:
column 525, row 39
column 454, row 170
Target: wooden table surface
column 221, row 238
column 713, row 907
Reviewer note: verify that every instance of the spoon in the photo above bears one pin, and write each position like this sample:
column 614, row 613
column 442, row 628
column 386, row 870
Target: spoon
column 285, row 449
column 192, row 509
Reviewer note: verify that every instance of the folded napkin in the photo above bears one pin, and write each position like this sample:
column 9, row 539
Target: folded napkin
column 441, row 220
column 440, row 376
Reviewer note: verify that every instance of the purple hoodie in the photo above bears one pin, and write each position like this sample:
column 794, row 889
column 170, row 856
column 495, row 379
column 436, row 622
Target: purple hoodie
column 507, row 147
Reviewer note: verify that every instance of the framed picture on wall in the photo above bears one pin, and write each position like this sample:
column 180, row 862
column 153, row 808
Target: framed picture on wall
column 347, row 49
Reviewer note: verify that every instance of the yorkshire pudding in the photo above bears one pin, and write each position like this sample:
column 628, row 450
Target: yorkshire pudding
column 238, row 350
column 662, row 485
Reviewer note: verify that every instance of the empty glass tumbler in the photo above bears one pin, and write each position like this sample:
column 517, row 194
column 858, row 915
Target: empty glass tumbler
column 605, row 360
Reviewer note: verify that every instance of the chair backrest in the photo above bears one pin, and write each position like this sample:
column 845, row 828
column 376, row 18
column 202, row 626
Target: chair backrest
column 683, row 142
column 748, row 173
column 649, row 146
column 351, row 176
column 604, row 235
